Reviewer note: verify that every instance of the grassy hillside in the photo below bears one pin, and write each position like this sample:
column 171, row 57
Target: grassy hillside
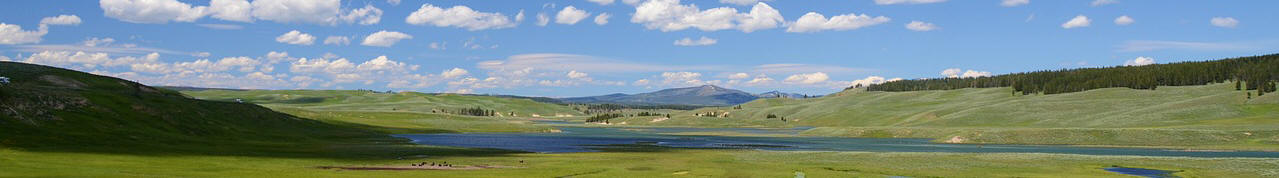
column 369, row 101
column 1209, row 115
column 52, row 109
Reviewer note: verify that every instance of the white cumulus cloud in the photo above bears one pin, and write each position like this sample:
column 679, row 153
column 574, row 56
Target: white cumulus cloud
column 570, row 15
column 323, row 12
column 384, row 38
column 61, row 20
column 890, row 2
column 232, row 10
column 296, row 38
column 807, row 79
column 95, row 42
column 543, row 19
column 368, row 15
column 1096, row 3
column 602, row 19
column 151, row 11
column 577, row 75
column 337, row 40
column 741, row 2
column 454, row 73
column 959, row 73
column 670, row 15
column 1140, row 61
column 1013, row 3
column 920, row 26
column 14, row 34
column 1124, row 20
column 869, row 80
column 704, row 41
column 815, row 22
column 1078, row 21
column 458, row 16
column 602, row 2
column 682, row 78
column 1224, row 22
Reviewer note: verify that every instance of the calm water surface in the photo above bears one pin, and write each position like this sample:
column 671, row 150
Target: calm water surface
column 1151, row 173
column 589, row 139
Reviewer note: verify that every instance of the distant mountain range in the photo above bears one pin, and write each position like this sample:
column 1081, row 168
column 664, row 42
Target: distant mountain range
column 705, row 95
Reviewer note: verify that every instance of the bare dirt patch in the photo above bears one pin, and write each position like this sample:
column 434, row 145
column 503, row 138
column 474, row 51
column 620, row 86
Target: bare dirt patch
column 411, row 168
column 63, row 82
column 659, row 119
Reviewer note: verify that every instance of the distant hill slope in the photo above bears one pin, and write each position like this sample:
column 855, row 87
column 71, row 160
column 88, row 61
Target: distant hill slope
column 779, row 94
column 368, row 101
column 1251, row 73
column 705, row 95
column 49, row 108
column 1183, row 106
column 185, row 88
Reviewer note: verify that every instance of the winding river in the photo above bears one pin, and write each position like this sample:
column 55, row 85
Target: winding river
column 590, row 139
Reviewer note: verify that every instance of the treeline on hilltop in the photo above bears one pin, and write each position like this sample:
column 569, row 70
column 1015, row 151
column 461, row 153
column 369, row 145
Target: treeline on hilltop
column 477, row 111
column 1250, row 73
column 603, row 117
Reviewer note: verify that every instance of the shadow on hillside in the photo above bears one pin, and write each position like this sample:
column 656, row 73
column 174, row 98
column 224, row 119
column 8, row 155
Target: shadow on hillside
column 49, row 109
column 354, row 142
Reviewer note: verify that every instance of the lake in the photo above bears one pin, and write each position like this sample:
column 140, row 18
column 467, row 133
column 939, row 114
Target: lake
column 590, row 139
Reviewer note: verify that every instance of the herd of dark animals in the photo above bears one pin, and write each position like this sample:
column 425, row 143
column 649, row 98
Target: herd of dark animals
column 433, row 164
column 443, row 164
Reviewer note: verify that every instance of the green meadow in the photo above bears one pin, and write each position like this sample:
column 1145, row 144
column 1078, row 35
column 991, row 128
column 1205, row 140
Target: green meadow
column 1191, row 117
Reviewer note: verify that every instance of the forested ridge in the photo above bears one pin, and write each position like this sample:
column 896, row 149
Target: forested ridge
column 1248, row 73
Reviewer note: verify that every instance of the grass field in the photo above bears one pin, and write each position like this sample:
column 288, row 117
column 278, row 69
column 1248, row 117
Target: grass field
column 1193, row 117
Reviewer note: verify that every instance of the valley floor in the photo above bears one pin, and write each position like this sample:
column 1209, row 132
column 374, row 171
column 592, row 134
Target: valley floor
column 1229, row 134
column 633, row 163
column 636, row 162
column 1207, row 117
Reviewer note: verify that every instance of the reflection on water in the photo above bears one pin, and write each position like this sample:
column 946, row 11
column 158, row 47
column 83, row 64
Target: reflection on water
column 588, row 139
column 1151, row 173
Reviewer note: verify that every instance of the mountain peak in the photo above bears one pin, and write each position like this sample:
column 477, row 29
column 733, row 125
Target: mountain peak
column 710, row 88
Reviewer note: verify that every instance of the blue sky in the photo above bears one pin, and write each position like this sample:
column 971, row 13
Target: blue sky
column 487, row 47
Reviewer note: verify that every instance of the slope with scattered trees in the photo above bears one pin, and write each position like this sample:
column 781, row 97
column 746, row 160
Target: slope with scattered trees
column 1248, row 73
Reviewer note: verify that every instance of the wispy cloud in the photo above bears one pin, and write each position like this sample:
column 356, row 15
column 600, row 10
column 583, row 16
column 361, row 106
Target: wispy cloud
column 1146, row 45
column 221, row 26
column 805, row 68
column 99, row 49
column 583, row 63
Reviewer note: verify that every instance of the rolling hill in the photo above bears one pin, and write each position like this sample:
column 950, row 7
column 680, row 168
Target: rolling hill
column 1216, row 116
column 372, row 101
column 1163, row 105
column 705, row 95
column 53, row 109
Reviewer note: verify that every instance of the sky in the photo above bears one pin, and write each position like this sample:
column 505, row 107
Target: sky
column 595, row 47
